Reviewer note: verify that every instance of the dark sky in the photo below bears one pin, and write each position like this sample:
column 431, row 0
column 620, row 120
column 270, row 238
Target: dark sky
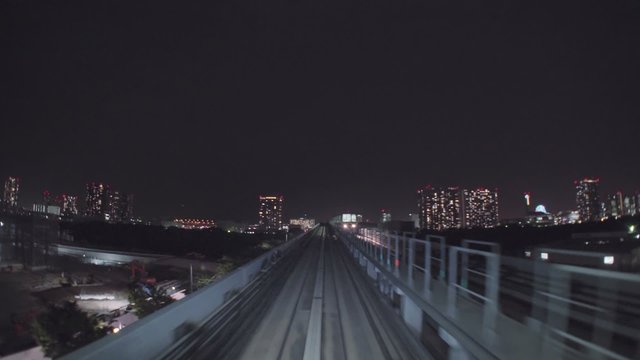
column 340, row 105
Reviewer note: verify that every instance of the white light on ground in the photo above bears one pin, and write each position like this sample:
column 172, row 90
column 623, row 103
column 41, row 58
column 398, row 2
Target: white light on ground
column 544, row 256
column 608, row 260
column 527, row 253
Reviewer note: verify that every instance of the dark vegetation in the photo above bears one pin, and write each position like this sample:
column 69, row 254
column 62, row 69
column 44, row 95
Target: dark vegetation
column 515, row 239
column 213, row 243
column 64, row 328
column 147, row 299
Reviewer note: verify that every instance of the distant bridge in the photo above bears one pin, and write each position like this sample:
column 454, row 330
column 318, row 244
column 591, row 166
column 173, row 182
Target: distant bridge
column 103, row 257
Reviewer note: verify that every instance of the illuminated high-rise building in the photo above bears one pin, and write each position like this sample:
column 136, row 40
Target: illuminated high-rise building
column 97, row 200
column 631, row 205
column 127, row 208
column 480, row 208
column 11, row 190
column 114, row 202
column 618, row 205
column 587, row 199
column 615, row 205
column 68, row 205
column 439, row 208
column 385, row 216
column 119, row 207
column 270, row 213
column 107, row 204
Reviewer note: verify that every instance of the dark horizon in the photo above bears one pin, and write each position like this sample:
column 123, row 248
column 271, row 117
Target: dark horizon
column 198, row 109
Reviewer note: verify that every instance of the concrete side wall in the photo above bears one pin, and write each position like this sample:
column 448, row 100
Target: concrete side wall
column 149, row 337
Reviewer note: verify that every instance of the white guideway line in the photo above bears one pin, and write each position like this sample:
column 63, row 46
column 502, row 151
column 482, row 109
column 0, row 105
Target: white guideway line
column 313, row 343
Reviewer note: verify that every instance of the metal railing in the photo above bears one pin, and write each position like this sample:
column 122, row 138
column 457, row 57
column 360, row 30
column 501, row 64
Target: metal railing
column 505, row 307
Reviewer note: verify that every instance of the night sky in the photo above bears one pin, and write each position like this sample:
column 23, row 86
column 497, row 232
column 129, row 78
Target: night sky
column 350, row 105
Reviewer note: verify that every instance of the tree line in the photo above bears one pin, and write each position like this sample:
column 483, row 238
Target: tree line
column 212, row 243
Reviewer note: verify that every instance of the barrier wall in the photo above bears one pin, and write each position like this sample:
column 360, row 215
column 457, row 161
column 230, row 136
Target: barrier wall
column 150, row 336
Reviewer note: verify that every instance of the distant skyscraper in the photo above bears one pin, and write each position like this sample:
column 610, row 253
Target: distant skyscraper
column 587, row 199
column 97, row 200
column 480, row 208
column 11, row 190
column 68, row 205
column 385, row 216
column 108, row 204
column 119, row 207
column 615, row 205
column 452, row 207
column 630, row 205
column 113, row 206
column 416, row 220
column 618, row 205
column 127, row 207
column 270, row 213
column 439, row 208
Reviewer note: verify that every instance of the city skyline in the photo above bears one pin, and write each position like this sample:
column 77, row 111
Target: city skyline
column 189, row 129
column 320, row 179
column 606, row 202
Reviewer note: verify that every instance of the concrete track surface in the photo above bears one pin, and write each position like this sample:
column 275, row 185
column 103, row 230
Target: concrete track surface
column 321, row 306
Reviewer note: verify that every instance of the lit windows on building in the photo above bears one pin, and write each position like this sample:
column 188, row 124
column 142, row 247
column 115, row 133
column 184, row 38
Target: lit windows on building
column 270, row 212
column 453, row 208
column 480, row 208
column 11, row 190
column 192, row 224
column 109, row 205
column 68, row 205
column 97, row 200
column 587, row 199
column 46, row 209
column 630, row 205
column 304, row 223
column 618, row 205
column 114, row 205
column 439, row 208
column 615, row 205
column 385, row 216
